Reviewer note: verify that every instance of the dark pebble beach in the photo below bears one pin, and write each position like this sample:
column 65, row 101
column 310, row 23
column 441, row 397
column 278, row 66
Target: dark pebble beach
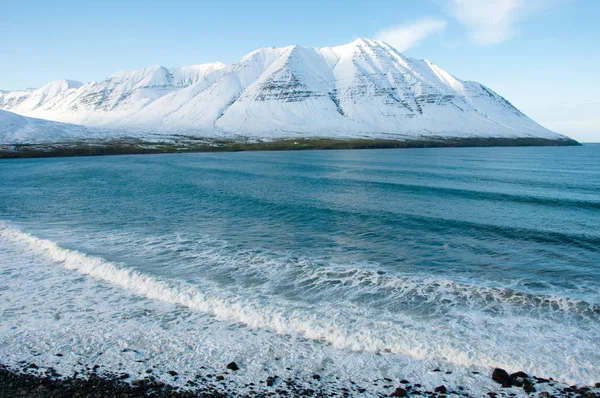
column 33, row 381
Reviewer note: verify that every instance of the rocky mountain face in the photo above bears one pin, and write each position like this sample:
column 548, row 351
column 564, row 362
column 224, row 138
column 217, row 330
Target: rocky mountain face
column 362, row 89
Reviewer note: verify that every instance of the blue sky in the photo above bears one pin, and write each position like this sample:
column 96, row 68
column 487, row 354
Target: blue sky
column 542, row 55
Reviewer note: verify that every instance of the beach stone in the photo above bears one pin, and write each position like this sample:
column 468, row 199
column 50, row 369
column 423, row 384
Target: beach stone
column 233, row 366
column 270, row 381
column 316, row 377
column 502, row 377
column 441, row 389
column 172, row 373
column 520, row 374
column 517, row 383
column 597, row 385
column 400, row 392
column 528, row 388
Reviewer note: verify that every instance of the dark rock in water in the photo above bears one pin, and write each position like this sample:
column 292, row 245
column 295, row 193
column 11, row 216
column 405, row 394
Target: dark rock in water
column 502, row 377
column 404, row 381
column 233, row 366
column 59, row 354
column 219, row 378
column 541, row 380
column 361, row 390
column 32, row 366
column 437, row 370
column 544, row 394
column 597, row 385
column 400, row 392
column 270, row 381
column 440, row 389
column 316, row 377
column 172, row 373
column 522, row 375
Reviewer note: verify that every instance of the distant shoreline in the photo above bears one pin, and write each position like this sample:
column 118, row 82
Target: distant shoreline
column 192, row 144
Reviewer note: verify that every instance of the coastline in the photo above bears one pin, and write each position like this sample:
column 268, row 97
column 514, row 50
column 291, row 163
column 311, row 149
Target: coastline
column 189, row 144
column 31, row 380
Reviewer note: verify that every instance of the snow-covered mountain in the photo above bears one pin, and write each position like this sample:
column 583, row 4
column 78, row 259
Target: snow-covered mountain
column 362, row 89
column 17, row 129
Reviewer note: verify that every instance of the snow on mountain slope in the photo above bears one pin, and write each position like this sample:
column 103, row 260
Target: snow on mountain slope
column 17, row 129
column 361, row 89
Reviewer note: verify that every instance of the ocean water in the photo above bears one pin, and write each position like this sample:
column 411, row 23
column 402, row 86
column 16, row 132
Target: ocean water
column 356, row 265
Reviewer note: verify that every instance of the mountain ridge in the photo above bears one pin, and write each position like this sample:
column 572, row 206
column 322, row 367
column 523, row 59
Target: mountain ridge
column 362, row 89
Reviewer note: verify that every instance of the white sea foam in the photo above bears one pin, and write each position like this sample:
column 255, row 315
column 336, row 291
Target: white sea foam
column 459, row 336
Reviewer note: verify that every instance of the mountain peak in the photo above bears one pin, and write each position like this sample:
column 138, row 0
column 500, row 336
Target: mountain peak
column 63, row 84
column 56, row 87
column 365, row 42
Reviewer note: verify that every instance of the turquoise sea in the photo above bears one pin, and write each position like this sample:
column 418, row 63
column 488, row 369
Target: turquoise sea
column 355, row 265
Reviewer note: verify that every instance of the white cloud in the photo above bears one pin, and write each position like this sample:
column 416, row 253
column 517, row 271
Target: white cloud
column 404, row 37
column 491, row 21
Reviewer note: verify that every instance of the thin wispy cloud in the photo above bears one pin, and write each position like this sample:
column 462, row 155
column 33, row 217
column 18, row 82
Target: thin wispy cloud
column 403, row 37
column 494, row 21
column 488, row 22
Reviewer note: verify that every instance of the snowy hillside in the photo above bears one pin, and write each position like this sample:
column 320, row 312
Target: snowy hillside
column 17, row 129
column 362, row 89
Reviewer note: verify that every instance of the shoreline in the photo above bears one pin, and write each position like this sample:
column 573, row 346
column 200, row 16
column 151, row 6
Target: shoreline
column 191, row 144
column 31, row 380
